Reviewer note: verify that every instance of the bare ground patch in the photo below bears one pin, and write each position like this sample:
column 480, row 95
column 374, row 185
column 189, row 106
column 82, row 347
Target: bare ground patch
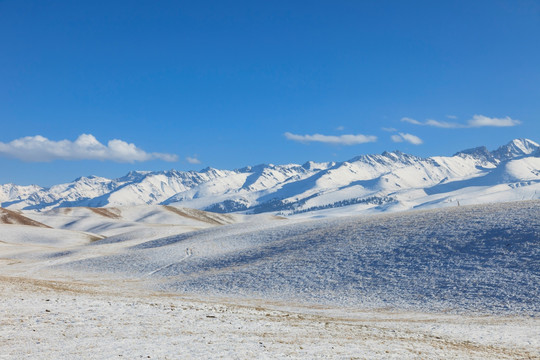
column 199, row 215
column 111, row 213
column 14, row 218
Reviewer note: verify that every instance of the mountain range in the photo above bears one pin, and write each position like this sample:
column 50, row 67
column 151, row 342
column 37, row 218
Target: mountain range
column 390, row 181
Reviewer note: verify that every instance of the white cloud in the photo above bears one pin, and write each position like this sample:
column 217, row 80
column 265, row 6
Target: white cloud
column 453, row 117
column 396, row 138
column 411, row 121
column 481, row 120
column 331, row 139
column 413, row 139
column 389, row 129
column 443, row 124
column 476, row 121
column 340, row 128
column 85, row 147
column 431, row 122
column 193, row 159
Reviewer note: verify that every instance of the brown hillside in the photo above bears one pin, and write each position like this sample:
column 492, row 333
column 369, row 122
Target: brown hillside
column 199, row 215
column 14, row 218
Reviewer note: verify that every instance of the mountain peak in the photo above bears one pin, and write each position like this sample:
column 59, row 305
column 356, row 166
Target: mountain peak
column 516, row 148
column 480, row 152
column 377, row 180
column 525, row 145
column 255, row 168
column 133, row 175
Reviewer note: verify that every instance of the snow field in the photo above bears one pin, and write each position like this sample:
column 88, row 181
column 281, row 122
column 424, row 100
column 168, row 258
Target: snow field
column 63, row 320
column 474, row 259
column 454, row 283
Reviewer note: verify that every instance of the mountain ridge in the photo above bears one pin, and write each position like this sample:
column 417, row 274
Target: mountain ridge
column 373, row 182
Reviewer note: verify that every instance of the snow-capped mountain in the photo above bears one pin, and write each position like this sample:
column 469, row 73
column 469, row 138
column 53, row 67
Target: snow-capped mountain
column 385, row 182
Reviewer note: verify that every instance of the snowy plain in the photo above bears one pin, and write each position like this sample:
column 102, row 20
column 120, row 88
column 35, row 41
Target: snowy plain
column 67, row 320
column 152, row 281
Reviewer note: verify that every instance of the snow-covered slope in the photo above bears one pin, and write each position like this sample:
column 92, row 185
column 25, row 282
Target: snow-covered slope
column 390, row 181
column 455, row 283
column 481, row 258
column 133, row 222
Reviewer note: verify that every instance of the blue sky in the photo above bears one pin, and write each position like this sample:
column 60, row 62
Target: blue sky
column 191, row 84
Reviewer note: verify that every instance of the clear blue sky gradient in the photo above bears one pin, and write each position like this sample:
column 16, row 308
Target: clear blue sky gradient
column 224, row 80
